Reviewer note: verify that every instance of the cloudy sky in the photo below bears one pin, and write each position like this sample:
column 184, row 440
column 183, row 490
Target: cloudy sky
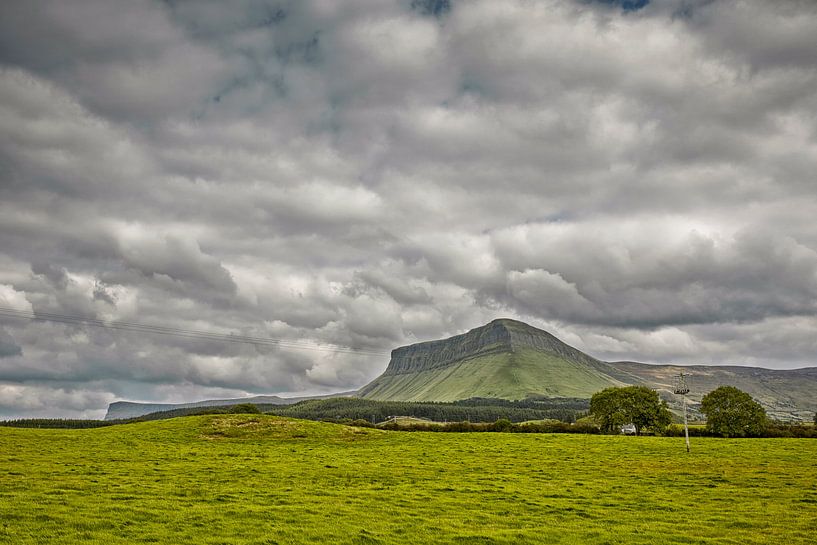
column 638, row 178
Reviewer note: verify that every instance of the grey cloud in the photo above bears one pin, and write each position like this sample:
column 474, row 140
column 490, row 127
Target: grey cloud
column 619, row 279
column 102, row 294
column 42, row 401
column 57, row 277
column 8, row 346
column 396, row 287
column 176, row 259
column 111, row 63
column 751, row 34
column 378, row 173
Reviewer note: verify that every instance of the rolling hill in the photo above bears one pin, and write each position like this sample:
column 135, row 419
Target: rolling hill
column 121, row 410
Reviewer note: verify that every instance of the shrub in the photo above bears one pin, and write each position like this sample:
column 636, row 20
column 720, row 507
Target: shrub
column 245, row 408
column 502, row 425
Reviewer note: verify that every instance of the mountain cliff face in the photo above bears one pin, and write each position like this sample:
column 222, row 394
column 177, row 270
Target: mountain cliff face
column 498, row 336
column 484, row 340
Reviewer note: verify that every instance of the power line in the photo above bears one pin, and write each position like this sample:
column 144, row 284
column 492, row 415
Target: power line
column 184, row 333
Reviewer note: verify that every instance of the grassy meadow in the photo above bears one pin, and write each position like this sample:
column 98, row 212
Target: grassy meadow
column 257, row 479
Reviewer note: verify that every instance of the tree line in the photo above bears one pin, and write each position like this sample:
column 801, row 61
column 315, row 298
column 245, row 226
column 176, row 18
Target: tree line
column 472, row 410
column 475, row 410
column 56, row 423
column 730, row 412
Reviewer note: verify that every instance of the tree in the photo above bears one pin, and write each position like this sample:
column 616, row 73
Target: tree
column 731, row 412
column 245, row 408
column 636, row 405
column 503, row 425
column 605, row 407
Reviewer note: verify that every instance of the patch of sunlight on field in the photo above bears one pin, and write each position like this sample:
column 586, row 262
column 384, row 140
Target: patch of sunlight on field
column 236, row 479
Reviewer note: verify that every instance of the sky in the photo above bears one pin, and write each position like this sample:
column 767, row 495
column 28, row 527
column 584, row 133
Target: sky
column 638, row 178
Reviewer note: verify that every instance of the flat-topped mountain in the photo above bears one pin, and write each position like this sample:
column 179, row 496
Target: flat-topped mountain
column 503, row 359
column 498, row 336
column 513, row 360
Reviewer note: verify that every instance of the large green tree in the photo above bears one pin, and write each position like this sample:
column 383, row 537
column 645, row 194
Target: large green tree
column 731, row 412
column 636, row 405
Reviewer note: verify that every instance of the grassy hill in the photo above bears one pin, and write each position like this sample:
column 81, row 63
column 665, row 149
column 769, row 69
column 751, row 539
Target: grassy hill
column 241, row 479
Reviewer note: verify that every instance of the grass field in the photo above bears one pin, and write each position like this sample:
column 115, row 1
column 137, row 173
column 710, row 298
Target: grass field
column 265, row 480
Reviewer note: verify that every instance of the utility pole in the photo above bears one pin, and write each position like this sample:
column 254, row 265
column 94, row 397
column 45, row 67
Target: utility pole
column 682, row 389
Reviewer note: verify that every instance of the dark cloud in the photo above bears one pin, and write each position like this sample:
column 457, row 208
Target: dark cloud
column 8, row 347
column 636, row 177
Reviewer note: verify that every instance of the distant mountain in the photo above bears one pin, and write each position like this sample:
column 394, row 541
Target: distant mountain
column 512, row 360
column 785, row 394
column 128, row 409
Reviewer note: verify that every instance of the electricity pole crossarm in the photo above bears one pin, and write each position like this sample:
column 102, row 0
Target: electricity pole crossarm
column 682, row 389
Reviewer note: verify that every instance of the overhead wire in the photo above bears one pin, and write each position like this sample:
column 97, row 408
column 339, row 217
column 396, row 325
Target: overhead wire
column 184, row 333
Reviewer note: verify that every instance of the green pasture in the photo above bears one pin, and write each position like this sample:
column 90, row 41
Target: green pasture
column 230, row 479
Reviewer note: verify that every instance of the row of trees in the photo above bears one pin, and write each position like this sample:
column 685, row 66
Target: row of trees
column 486, row 410
column 55, row 423
column 730, row 412
column 474, row 410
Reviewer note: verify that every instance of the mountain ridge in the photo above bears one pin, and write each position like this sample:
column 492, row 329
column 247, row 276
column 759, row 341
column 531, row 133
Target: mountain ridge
column 119, row 410
column 497, row 334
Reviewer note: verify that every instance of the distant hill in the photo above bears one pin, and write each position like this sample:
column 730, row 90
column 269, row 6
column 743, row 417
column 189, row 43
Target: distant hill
column 509, row 359
column 121, row 410
column 785, row 394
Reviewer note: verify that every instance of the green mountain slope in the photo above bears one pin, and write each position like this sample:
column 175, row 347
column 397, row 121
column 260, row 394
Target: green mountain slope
column 503, row 359
column 514, row 374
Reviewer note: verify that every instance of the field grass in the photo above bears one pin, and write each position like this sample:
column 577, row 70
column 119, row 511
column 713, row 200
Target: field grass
column 231, row 479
